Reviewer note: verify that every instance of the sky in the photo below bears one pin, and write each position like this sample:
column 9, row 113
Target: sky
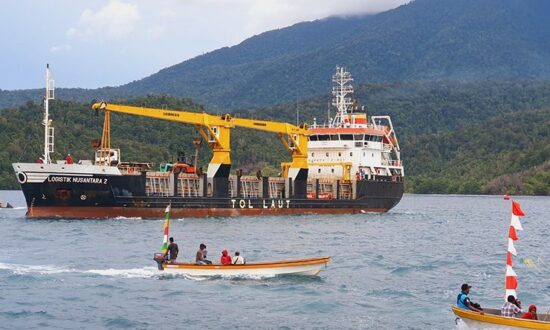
column 98, row 43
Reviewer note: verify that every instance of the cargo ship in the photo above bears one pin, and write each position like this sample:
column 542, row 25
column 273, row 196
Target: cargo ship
column 349, row 164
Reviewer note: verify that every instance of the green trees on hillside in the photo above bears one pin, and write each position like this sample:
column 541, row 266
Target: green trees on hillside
column 460, row 138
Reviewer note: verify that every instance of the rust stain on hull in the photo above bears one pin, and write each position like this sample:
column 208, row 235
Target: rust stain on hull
column 157, row 213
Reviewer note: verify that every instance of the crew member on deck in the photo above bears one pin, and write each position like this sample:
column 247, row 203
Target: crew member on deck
column 173, row 250
column 463, row 301
column 69, row 159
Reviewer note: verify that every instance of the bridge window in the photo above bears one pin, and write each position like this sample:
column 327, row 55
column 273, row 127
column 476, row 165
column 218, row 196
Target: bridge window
column 323, row 137
column 313, row 138
column 327, row 154
column 346, row 137
column 358, row 137
column 334, row 137
column 339, row 154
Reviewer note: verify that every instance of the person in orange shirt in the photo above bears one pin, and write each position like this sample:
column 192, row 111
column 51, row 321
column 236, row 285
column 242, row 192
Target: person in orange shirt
column 69, row 159
column 226, row 258
column 531, row 314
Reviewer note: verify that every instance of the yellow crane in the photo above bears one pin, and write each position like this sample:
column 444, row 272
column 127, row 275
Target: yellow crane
column 216, row 130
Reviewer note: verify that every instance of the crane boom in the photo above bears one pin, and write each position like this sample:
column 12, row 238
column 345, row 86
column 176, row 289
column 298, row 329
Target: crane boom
column 294, row 139
column 216, row 131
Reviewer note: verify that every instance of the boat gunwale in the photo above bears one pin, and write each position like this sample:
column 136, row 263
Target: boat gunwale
column 500, row 320
column 261, row 264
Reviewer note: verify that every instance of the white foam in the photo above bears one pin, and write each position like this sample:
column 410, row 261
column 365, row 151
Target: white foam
column 13, row 208
column 128, row 218
column 145, row 272
column 35, row 269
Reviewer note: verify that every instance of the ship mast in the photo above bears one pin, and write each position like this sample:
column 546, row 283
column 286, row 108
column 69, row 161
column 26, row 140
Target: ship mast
column 340, row 91
column 48, row 129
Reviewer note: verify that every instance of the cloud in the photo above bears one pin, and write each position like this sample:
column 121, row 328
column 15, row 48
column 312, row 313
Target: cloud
column 156, row 32
column 270, row 14
column 115, row 20
column 60, row 48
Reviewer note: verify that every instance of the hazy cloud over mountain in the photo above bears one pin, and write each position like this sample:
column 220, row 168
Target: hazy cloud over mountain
column 111, row 42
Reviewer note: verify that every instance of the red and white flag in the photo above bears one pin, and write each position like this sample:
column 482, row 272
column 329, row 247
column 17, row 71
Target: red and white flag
column 511, row 281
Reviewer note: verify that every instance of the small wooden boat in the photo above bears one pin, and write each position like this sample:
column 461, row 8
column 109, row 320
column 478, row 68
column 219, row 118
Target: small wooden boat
column 308, row 267
column 7, row 206
column 491, row 319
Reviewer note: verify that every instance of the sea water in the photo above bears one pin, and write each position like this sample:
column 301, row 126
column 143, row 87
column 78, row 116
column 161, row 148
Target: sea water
column 399, row 270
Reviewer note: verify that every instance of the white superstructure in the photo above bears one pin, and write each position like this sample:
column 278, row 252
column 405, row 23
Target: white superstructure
column 351, row 146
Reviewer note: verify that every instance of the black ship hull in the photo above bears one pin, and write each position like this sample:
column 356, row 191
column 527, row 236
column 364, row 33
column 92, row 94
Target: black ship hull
column 109, row 196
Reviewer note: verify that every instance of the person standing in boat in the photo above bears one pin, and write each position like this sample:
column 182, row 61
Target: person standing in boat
column 463, row 301
column 238, row 259
column 173, row 250
column 200, row 258
column 68, row 159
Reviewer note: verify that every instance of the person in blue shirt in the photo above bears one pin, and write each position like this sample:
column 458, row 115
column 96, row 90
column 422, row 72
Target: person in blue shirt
column 463, row 301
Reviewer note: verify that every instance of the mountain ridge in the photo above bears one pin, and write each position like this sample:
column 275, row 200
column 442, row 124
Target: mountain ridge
column 424, row 40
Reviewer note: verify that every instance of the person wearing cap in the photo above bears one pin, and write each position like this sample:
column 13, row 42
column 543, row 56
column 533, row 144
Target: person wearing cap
column 510, row 309
column 531, row 314
column 463, row 301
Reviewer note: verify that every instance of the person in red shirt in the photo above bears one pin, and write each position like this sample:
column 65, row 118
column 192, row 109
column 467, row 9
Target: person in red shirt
column 531, row 314
column 226, row 258
column 69, row 159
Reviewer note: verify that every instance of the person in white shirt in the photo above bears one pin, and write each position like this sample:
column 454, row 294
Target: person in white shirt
column 237, row 259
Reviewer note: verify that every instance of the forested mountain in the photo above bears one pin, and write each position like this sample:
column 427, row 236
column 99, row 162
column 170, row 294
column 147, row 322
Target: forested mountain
column 425, row 40
column 455, row 137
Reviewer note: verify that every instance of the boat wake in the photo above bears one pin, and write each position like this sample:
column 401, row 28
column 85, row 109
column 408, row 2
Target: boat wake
column 145, row 272
column 35, row 269
column 18, row 269
column 13, row 208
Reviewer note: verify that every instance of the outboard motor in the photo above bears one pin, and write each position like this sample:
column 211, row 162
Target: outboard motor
column 159, row 258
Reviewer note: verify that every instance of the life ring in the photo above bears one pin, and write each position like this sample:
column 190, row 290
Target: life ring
column 21, row 177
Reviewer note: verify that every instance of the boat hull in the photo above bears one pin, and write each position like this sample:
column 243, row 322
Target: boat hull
column 76, row 196
column 304, row 267
column 490, row 320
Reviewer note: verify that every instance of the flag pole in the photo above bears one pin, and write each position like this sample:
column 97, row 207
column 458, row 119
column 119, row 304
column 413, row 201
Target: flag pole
column 510, row 278
column 166, row 228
